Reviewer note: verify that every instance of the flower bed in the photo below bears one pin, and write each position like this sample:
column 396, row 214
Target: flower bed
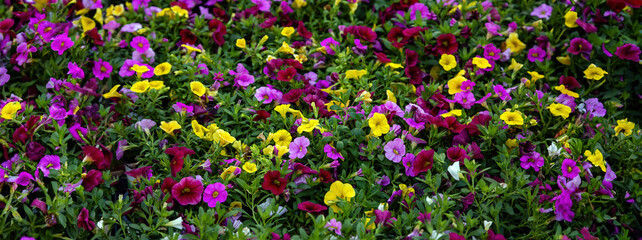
column 320, row 119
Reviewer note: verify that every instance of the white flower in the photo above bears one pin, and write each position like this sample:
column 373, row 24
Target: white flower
column 246, row 231
column 487, row 224
column 435, row 234
column 382, row 206
column 176, row 223
column 429, row 200
column 454, row 170
column 553, row 150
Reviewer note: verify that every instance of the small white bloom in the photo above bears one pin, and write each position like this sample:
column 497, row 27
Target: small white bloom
column 435, row 234
column 429, row 200
column 454, row 170
column 382, row 206
column 503, row 185
column 487, row 224
column 246, row 231
column 553, row 150
column 176, row 223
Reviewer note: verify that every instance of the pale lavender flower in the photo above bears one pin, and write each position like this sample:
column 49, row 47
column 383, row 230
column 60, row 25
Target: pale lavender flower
column 299, row 147
column 120, row 151
column 334, row 225
column 263, row 5
column 4, row 76
column 595, row 108
column 543, row 11
column 395, row 150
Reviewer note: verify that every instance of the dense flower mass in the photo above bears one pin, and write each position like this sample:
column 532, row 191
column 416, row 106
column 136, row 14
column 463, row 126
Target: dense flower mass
column 346, row 119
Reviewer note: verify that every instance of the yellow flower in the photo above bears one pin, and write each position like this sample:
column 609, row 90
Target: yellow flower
column 10, row 109
column 514, row 43
column 170, row 127
column 512, row 143
column 282, row 109
column 197, row 88
column 378, row 124
column 264, row 39
column 447, row 61
column 594, row 72
column 249, row 167
column 162, row 69
column 287, row 31
column 299, row 4
column 282, row 138
column 241, row 43
column 455, row 112
column 118, row 10
column 98, row 16
column 535, row 76
column 566, row 60
column 391, row 96
column 353, row 6
column 113, row 93
column 223, row 138
column 570, row 19
column 156, row 85
column 87, row 24
column 514, row 65
column 454, row 84
column 198, row 129
column 139, row 69
column 481, row 63
column 228, row 172
column 281, row 150
column 268, row 151
column 394, row 65
column 307, row 126
column 338, row 190
column 596, row 158
column 365, row 96
column 558, row 109
column 563, row 90
column 140, row 87
column 512, row 118
column 190, row 49
column 285, row 48
column 180, row 11
column 355, row 74
column 624, row 125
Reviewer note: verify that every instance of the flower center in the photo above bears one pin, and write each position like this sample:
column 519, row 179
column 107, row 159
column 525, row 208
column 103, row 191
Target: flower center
column 47, row 29
column 276, row 182
column 570, row 169
column 215, row 194
column 103, row 69
column 491, row 54
column 395, row 151
column 445, row 43
column 50, row 165
column 531, row 160
column 535, row 54
column 140, row 45
column 185, row 190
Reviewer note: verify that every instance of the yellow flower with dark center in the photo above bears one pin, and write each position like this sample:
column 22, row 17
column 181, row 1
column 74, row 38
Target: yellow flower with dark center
column 448, row 62
column 378, row 124
column 198, row 129
column 512, row 118
column 282, row 138
column 454, row 84
column 197, row 88
column 162, row 69
column 596, row 158
column 514, row 43
column 338, row 191
column 10, row 109
column 170, row 127
column 558, row 109
column 594, row 72
column 624, row 125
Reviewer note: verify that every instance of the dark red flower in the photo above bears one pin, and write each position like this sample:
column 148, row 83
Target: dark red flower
column 446, row 44
column 293, row 95
column 273, row 182
column 92, row 179
column 5, row 25
column 20, row 134
column 275, row 236
column 168, row 184
column 35, row 151
column 84, row 222
column 569, row 82
column 382, row 58
column 384, row 217
column 362, row 32
column 95, row 36
column 455, row 236
column 187, row 36
column 456, row 154
column 397, row 38
column 311, row 207
column 261, row 115
column 96, row 157
column 628, row 52
column 479, row 119
column 423, row 162
column 218, row 31
column 493, row 236
column 286, row 75
column 188, row 191
column 303, row 31
column 618, row 5
column 177, row 161
column 325, row 176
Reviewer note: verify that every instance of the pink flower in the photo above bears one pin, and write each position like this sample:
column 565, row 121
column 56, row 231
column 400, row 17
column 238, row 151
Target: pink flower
column 423, row 162
column 299, row 147
column 49, row 162
column 24, row 178
column 334, row 225
column 141, row 44
column 188, row 191
column 61, row 43
column 83, row 220
column 102, row 69
column 569, row 168
column 311, row 207
column 536, row 54
column 532, row 159
column 215, row 193
column 75, row 71
column 628, row 52
column 331, row 152
column 395, row 150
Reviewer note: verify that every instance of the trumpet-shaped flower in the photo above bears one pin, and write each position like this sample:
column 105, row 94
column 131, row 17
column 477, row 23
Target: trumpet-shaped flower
column 170, row 127
column 214, row 193
column 512, row 118
column 594, row 72
column 338, row 190
column 197, row 88
column 596, row 158
column 558, row 109
column 378, row 124
column 448, row 62
column 10, row 109
column 623, row 125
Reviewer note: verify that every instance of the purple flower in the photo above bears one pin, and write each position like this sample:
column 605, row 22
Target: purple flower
column 395, row 150
column 493, row 28
column 145, row 124
column 243, row 77
column 502, row 93
column 407, row 163
column 331, row 152
column 49, row 162
column 628, row 52
column 148, row 55
column 423, row 10
column 23, row 51
column 125, row 69
column 47, row 30
column 563, row 204
column 263, row 5
column 536, row 54
column 334, row 225
column 122, row 145
column 329, row 44
column 465, row 99
column 183, row 108
column 492, row 52
column 75, row 71
column 543, row 11
column 24, row 178
column 360, row 49
column 132, row 27
column 76, row 130
column 580, row 45
column 566, row 100
column 594, row 108
column 61, row 43
column 214, row 193
column 139, row 3
column 532, row 159
column 102, row 69
column 299, row 147
column 569, row 168
column 202, row 69
column 4, row 77
column 267, row 94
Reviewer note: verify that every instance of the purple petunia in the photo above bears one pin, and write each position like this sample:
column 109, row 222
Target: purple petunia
column 47, row 163
column 263, row 5
column 334, row 226
column 75, row 71
column 628, row 52
column 492, row 52
column 580, row 46
column 267, row 94
column 502, row 93
column 395, row 150
column 102, row 69
column 61, row 43
column 569, row 168
column 532, row 159
column 563, row 204
column 329, row 44
column 536, row 54
column 423, row 10
column 243, row 77
column 4, row 76
column 299, row 147
column 594, row 108
column 543, row 11
column 331, row 152
column 214, row 193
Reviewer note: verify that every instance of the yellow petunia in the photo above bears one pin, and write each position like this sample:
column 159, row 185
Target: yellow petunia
column 241, row 43
column 249, row 167
column 481, row 63
column 393, row 66
column 378, row 124
column 140, row 87
column 338, row 191
column 190, row 49
column 558, row 109
column 139, row 69
column 512, row 118
column 566, row 60
column 570, row 19
column 282, row 109
column 299, row 4
column 197, row 88
column 390, row 96
column 563, row 90
column 355, row 74
column 281, row 150
column 624, row 125
column 594, row 72
column 448, row 62
column 282, row 138
column 113, row 93
column 87, row 23
column 162, row 69
column 285, row 48
column 454, row 84
column 10, row 109
column 287, row 31
column 596, row 158
column 307, row 125
column 455, row 112
column 535, row 76
column 156, row 85
column 170, row 127
column 514, row 65
column 514, row 43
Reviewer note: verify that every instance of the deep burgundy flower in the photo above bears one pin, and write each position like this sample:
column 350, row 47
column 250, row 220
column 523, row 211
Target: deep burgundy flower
column 141, row 172
column 5, row 25
column 92, row 179
column 292, row 96
column 618, row 5
column 188, row 191
column 20, row 134
column 35, row 151
column 188, row 37
column 397, row 38
column 580, row 45
column 362, row 32
column 493, row 236
column 325, row 176
column 303, row 32
column 423, row 162
column 177, row 161
column 84, row 222
column 168, row 184
column 384, row 217
column 261, row 115
column 569, row 82
column 446, row 44
column 286, row 75
column 382, row 58
column 628, row 52
column 455, row 236
column 273, row 182
column 311, row 207
column 218, row 31
column 95, row 36
column 456, row 154
column 275, row 236
column 96, row 157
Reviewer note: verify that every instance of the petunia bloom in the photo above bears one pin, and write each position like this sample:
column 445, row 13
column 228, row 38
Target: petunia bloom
column 569, row 169
column 423, row 162
column 338, row 190
column 178, row 153
column 532, row 159
column 49, row 162
column 299, row 147
column 140, row 43
column 311, row 207
column 83, row 220
column 102, row 69
column 395, row 150
column 273, row 182
column 61, row 43
column 188, row 191
column 536, row 54
column 214, row 193
column 542, row 11
column 628, row 52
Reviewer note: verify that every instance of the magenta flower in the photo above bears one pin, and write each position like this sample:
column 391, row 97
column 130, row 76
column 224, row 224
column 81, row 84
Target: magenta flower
column 263, row 5
column 407, row 164
column 532, row 159
column 423, row 10
column 61, row 43
column 299, row 147
column 102, row 69
column 563, row 204
column 536, row 54
column 502, row 93
column 141, row 44
column 266, row 95
column 311, row 207
column 628, row 52
column 569, row 168
column 4, row 77
column 334, row 225
column 580, row 45
column 141, row 172
column 47, row 30
column 465, row 99
column 423, row 162
column 214, row 193
column 84, row 222
column 543, row 11
column 125, row 69
column 329, row 44
column 188, row 191
column 594, row 108
column 183, row 109
column 49, row 162
column 492, row 52
column 243, row 77
column 493, row 28
column 75, row 71
column 23, row 51
column 24, row 178
column 395, row 150
column 331, row 152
